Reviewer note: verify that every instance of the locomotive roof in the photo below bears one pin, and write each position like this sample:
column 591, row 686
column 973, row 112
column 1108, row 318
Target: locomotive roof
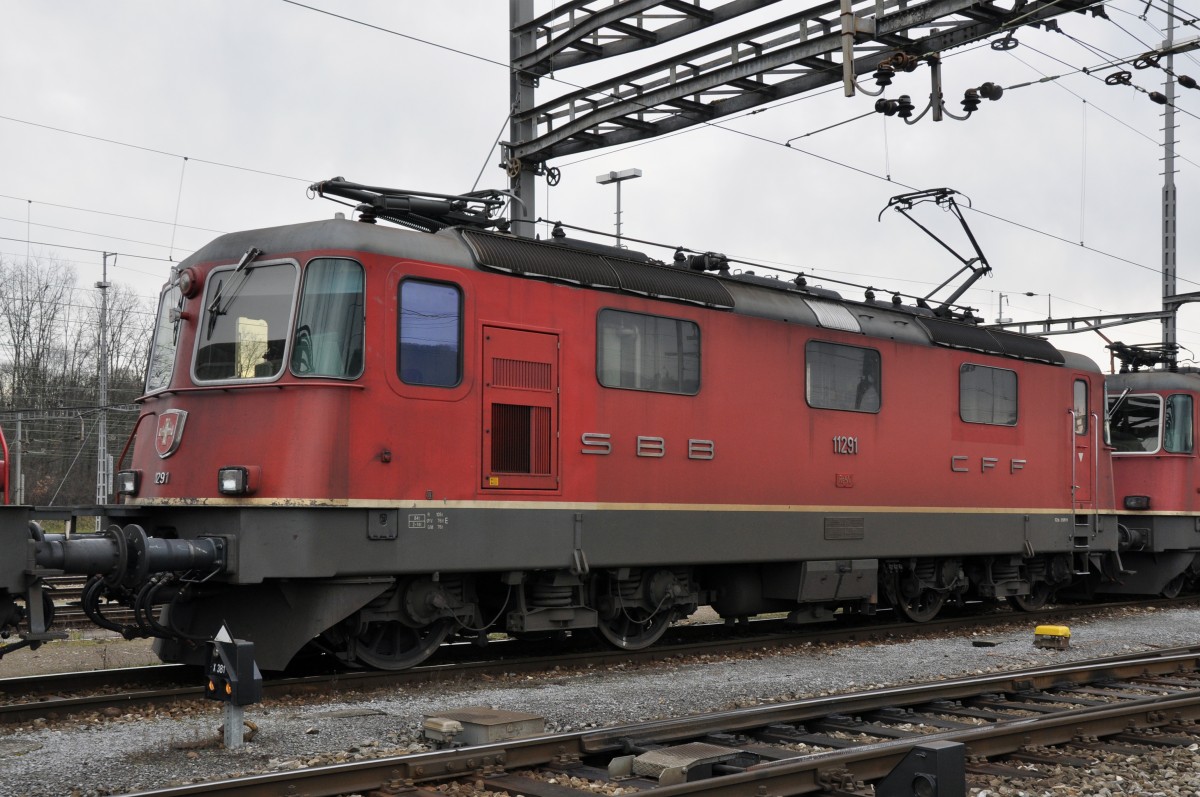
column 608, row 268
column 1156, row 380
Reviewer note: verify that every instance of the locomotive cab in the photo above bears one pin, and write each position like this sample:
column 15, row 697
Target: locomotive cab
column 1156, row 480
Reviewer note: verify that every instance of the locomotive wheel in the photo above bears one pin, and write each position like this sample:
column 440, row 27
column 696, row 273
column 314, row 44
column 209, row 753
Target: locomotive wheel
column 634, row 628
column 1038, row 597
column 392, row 645
column 917, row 604
column 1174, row 586
column 922, row 607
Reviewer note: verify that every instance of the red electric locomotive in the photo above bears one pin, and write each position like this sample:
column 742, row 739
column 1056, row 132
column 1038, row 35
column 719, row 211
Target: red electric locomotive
column 375, row 439
column 3, row 469
column 1152, row 422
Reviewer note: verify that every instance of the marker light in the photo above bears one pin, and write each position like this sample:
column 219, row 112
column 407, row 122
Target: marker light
column 189, row 282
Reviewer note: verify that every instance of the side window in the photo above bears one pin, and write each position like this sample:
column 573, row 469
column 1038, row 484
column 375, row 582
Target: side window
column 1080, row 405
column 1135, row 426
column 166, row 340
column 430, row 333
column 1177, row 428
column 329, row 332
column 646, row 352
column 987, row 395
column 840, row 377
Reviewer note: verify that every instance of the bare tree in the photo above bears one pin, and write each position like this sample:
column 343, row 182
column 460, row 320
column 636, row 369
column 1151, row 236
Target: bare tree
column 35, row 294
column 49, row 371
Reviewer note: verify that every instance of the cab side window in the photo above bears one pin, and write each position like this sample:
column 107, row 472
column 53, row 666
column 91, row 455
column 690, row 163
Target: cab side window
column 430, row 333
column 1177, row 427
column 329, row 331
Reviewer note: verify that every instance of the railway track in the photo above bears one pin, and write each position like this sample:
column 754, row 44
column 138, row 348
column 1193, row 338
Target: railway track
column 67, row 592
column 924, row 739
column 29, row 698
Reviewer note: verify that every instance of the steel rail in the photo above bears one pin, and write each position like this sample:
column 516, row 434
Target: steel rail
column 801, row 775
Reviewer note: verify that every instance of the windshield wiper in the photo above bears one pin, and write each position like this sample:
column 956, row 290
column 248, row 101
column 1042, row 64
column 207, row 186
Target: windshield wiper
column 243, row 268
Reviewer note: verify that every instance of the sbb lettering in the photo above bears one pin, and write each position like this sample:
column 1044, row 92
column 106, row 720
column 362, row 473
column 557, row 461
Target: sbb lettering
column 649, row 446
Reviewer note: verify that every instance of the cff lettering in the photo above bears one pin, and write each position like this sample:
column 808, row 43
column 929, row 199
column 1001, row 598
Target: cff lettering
column 962, row 464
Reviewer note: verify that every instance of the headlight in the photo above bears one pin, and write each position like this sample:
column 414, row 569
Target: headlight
column 128, row 482
column 238, row 480
column 1137, row 502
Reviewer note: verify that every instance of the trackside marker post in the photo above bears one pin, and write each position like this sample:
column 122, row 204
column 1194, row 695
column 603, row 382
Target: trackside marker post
column 233, row 678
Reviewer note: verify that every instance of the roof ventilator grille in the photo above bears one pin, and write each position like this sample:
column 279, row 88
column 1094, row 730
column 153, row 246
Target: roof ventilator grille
column 833, row 316
column 539, row 259
column 992, row 341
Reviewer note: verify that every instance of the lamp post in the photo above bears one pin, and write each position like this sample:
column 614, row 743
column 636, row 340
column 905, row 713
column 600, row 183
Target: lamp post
column 618, row 178
column 1000, row 319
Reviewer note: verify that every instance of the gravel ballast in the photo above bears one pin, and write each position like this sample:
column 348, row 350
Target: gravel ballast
column 103, row 755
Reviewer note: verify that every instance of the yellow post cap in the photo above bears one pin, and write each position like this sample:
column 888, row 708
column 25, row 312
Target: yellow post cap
column 1052, row 630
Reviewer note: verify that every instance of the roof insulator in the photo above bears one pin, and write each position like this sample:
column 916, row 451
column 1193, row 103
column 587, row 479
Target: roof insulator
column 991, row 91
column 886, row 107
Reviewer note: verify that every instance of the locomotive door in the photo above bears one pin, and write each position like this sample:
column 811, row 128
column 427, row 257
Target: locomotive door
column 1082, row 468
column 520, row 409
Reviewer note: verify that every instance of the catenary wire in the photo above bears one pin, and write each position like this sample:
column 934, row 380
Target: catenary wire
column 153, row 150
column 107, row 213
column 508, row 68
column 87, row 232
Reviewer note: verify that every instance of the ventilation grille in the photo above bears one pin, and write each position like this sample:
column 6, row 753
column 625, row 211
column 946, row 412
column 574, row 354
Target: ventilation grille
column 833, row 316
column 521, row 374
column 520, row 439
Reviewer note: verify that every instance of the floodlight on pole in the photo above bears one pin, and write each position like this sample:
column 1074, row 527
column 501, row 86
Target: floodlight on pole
column 618, row 178
column 1000, row 319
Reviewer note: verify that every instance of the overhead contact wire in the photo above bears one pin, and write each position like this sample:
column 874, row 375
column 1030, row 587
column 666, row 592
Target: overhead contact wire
column 178, row 198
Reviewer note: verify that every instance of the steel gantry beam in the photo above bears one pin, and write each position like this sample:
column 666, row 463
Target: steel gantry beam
column 792, row 54
column 583, row 31
column 1067, row 326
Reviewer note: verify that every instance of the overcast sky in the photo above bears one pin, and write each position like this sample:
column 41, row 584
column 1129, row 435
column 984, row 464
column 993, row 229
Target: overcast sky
column 103, row 101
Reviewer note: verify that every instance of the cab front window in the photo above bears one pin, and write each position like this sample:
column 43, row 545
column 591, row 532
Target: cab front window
column 247, row 315
column 1136, row 424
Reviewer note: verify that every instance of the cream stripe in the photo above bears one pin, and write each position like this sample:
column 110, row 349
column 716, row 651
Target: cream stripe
column 618, row 507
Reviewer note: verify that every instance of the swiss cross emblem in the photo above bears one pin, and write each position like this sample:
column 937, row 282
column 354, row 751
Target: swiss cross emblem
column 169, row 432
